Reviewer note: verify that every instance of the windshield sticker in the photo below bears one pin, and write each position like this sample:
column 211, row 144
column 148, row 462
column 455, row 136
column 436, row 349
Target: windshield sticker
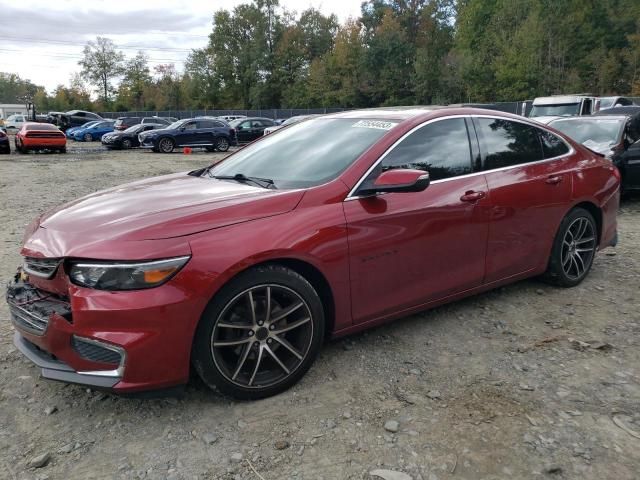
column 380, row 125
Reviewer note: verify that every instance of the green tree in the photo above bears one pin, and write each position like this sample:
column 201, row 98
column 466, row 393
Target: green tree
column 101, row 65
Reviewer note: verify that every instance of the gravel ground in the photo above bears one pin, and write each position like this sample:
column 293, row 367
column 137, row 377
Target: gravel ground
column 526, row 381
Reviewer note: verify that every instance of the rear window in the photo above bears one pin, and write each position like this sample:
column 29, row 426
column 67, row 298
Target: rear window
column 42, row 126
column 507, row 143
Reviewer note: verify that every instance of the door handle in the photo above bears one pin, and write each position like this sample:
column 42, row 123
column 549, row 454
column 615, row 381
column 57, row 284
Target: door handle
column 472, row 196
column 554, row 180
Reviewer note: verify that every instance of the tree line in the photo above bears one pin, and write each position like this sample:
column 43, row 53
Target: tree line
column 261, row 55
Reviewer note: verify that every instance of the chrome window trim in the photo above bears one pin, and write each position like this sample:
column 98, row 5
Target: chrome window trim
column 351, row 195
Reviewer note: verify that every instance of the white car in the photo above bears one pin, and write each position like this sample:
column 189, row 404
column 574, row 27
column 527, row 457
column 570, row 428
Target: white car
column 229, row 118
column 15, row 122
column 546, row 109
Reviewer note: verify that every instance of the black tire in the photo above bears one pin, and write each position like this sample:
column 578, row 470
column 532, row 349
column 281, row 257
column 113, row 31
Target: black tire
column 63, row 150
column 126, row 144
column 87, row 137
column 166, row 145
column 574, row 249
column 19, row 147
column 222, row 144
column 305, row 324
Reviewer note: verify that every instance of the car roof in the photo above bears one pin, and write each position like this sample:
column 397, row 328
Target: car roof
column 630, row 110
column 560, row 99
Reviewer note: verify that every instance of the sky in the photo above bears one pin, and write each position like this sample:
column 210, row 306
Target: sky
column 42, row 40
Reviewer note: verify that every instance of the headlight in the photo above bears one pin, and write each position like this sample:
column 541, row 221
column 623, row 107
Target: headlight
column 125, row 275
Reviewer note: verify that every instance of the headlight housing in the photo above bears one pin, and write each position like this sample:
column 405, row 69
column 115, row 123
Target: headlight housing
column 125, row 275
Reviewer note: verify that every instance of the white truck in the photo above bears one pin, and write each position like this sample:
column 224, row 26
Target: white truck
column 546, row 109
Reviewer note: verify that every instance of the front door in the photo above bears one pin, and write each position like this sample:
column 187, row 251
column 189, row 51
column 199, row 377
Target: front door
column 407, row 249
column 186, row 135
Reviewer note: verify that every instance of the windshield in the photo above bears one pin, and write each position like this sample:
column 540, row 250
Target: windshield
column 291, row 120
column 559, row 110
column 133, row 129
column 591, row 131
column 306, row 154
column 176, row 125
column 89, row 124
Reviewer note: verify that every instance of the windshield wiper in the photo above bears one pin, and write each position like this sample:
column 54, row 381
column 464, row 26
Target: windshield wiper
column 241, row 177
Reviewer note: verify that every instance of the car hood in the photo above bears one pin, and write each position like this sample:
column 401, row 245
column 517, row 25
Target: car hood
column 154, row 209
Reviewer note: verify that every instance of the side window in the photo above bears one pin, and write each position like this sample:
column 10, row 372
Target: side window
column 552, row 146
column 245, row 124
column 190, row 126
column 256, row 124
column 205, row 124
column 81, row 114
column 440, row 148
column 506, row 143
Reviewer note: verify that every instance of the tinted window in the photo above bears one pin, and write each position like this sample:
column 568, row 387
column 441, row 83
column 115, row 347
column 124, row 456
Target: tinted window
column 440, row 148
column 552, row 146
column 189, row 126
column 507, row 143
column 80, row 114
column 209, row 124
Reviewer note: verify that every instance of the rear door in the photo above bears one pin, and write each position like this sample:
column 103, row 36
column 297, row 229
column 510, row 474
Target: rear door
column 529, row 176
column 407, row 249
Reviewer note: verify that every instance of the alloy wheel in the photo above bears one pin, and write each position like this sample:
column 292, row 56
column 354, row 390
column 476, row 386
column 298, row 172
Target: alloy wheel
column 166, row 145
column 88, row 137
column 262, row 336
column 126, row 143
column 222, row 144
column 578, row 247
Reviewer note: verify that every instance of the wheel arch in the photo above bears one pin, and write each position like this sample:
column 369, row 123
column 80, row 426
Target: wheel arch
column 307, row 270
column 595, row 211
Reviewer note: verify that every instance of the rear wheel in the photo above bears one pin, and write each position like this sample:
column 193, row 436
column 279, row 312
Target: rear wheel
column 63, row 150
column 260, row 333
column 574, row 249
column 166, row 145
column 126, row 144
column 222, row 144
column 87, row 137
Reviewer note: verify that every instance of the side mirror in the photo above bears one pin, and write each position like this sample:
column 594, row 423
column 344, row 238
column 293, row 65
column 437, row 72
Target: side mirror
column 399, row 180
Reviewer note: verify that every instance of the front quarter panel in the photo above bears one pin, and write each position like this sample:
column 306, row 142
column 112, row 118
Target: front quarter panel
column 312, row 233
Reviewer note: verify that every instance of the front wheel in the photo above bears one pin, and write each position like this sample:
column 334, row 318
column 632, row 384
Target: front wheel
column 222, row 144
column 126, row 144
column 87, row 137
column 574, row 249
column 260, row 334
column 166, row 145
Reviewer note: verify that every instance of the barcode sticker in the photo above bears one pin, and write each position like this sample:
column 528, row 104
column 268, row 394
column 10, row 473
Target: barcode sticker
column 379, row 124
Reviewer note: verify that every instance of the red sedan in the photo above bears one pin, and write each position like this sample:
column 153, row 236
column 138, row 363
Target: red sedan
column 331, row 226
column 40, row 136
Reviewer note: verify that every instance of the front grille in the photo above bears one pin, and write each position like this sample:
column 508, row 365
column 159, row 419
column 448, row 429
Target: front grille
column 29, row 321
column 95, row 352
column 41, row 267
column 32, row 308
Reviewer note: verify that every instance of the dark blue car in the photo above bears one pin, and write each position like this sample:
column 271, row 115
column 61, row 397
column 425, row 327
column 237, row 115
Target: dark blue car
column 209, row 133
column 5, row 147
column 93, row 132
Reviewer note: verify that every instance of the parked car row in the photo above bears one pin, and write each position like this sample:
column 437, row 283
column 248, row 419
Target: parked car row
column 614, row 133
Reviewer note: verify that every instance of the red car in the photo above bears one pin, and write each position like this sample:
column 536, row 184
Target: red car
column 40, row 136
column 331, row 226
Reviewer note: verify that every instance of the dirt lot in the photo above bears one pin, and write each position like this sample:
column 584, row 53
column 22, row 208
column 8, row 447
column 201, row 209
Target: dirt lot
column 487, row 388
